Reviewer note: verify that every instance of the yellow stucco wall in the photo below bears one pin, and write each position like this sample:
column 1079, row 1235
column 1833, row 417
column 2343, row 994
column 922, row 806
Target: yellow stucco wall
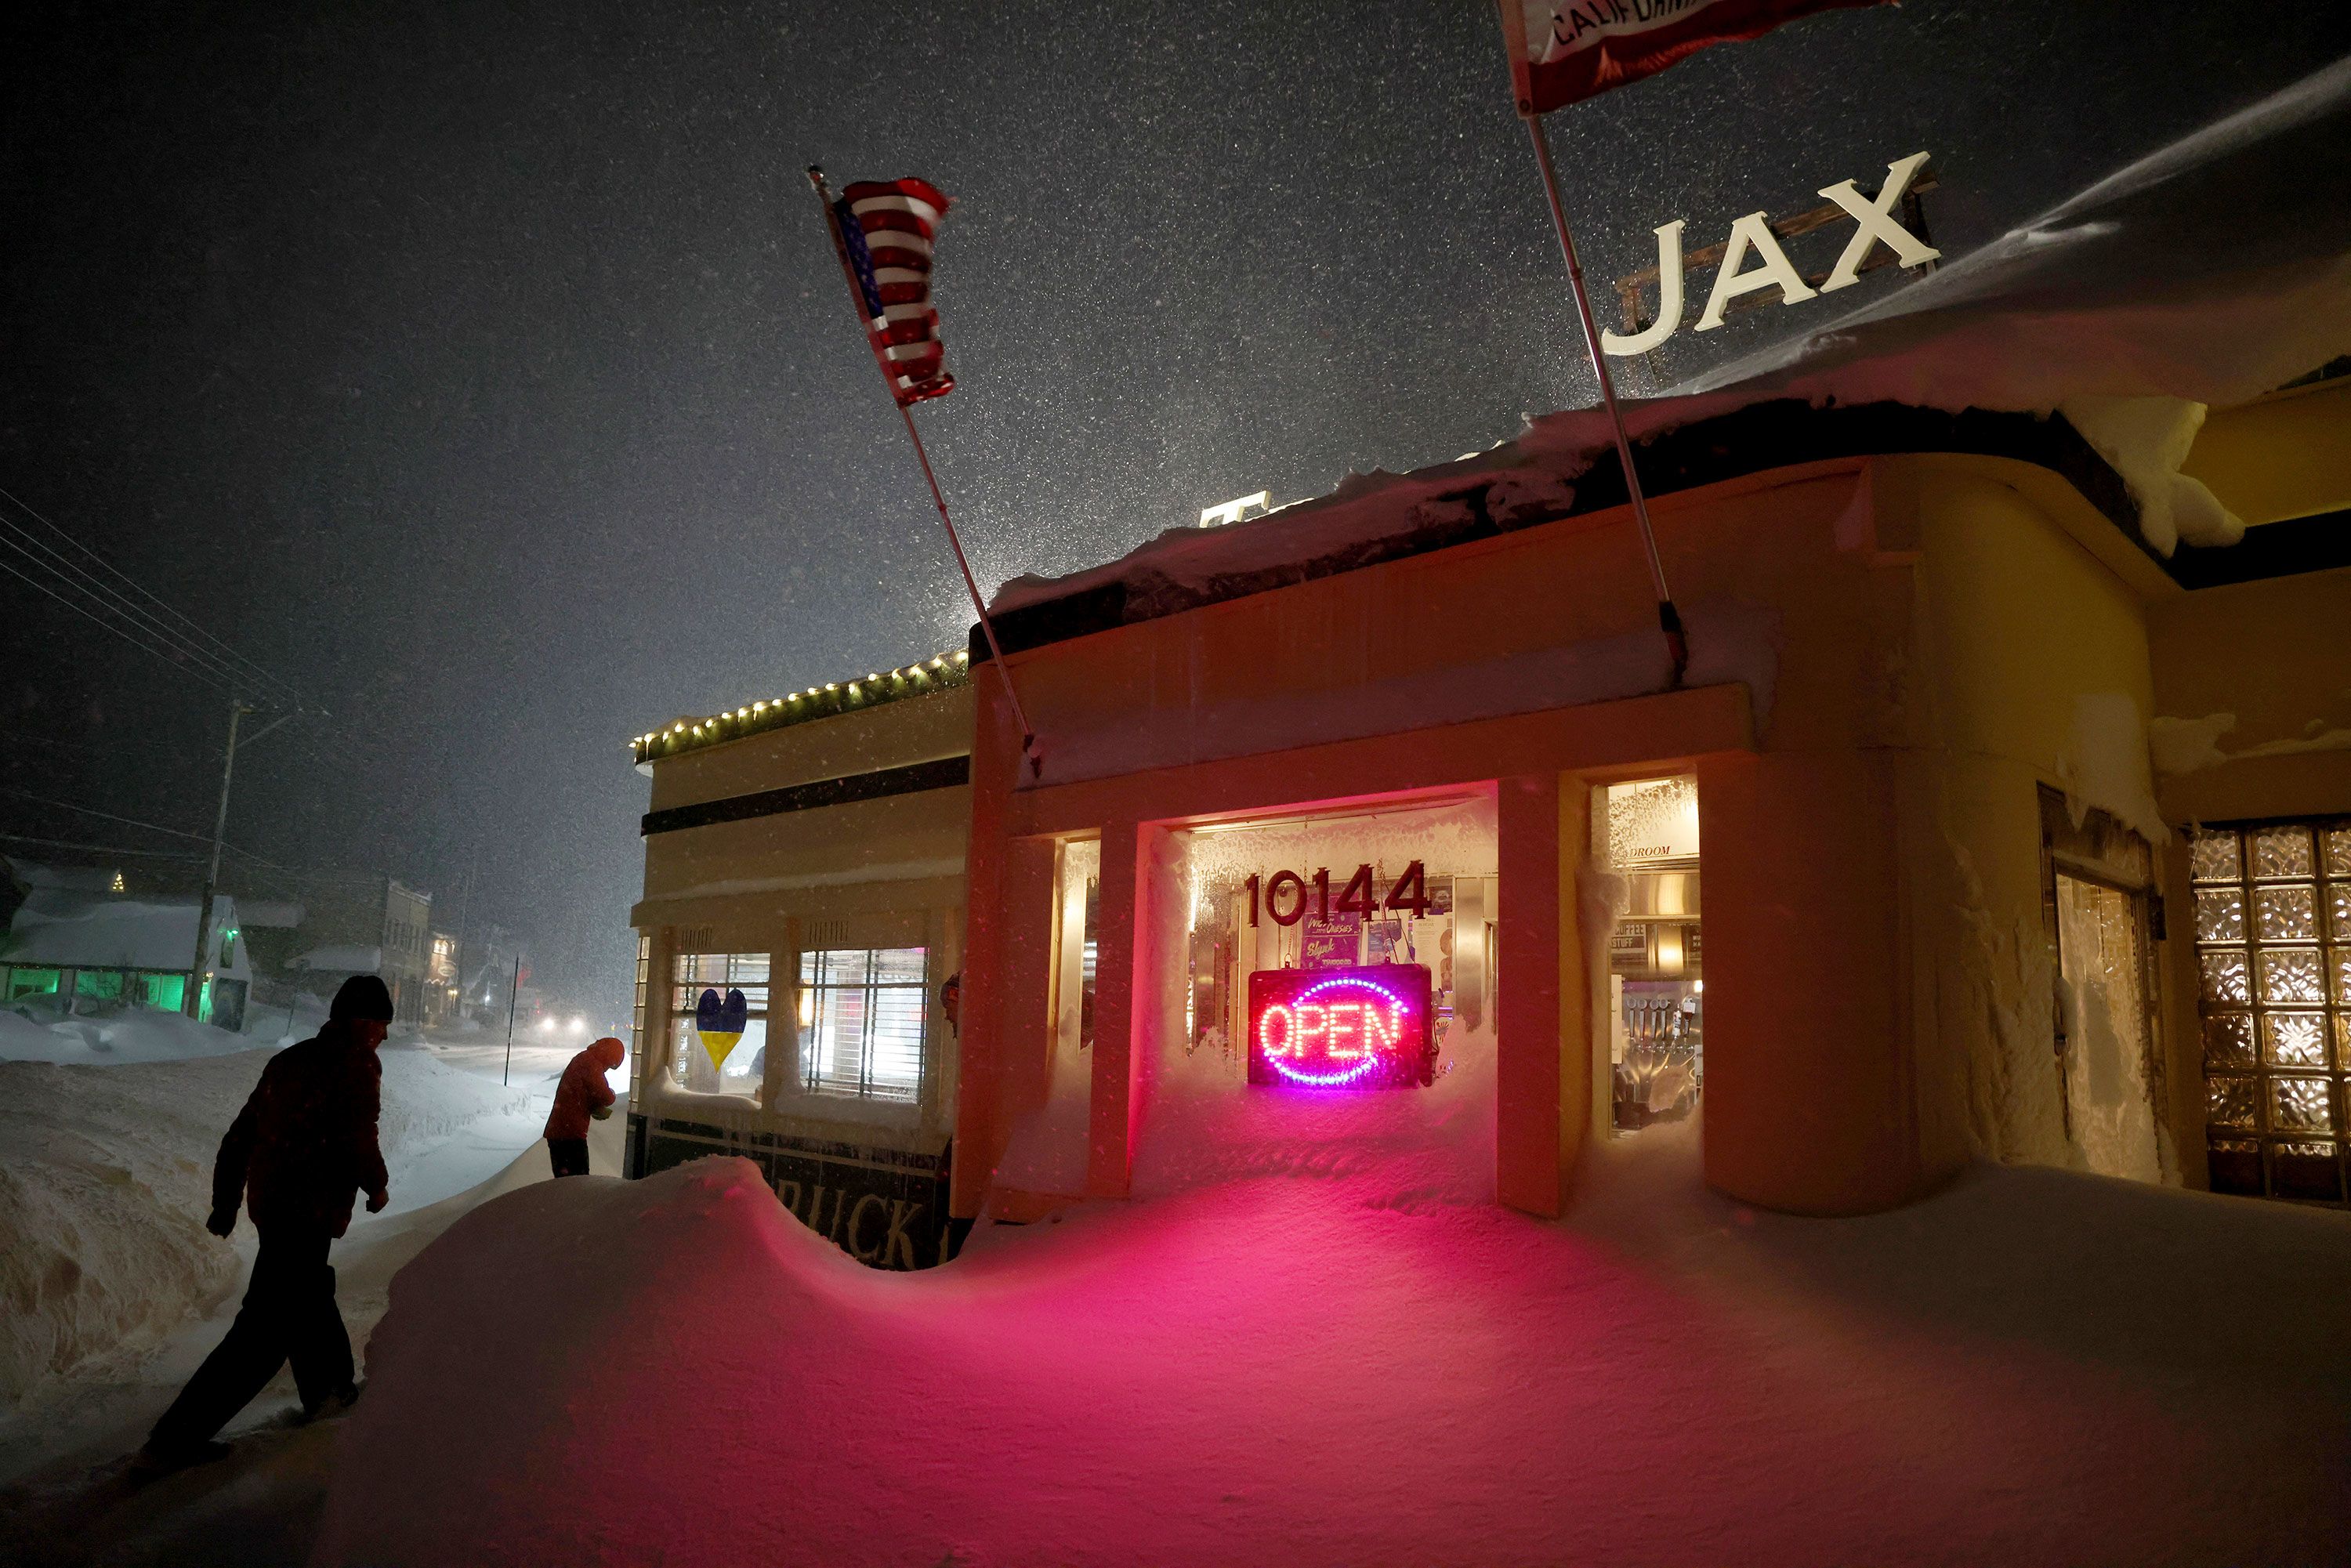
column 887, row 871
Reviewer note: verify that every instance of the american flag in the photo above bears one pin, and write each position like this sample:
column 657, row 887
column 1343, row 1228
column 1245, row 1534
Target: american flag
column 885, row 229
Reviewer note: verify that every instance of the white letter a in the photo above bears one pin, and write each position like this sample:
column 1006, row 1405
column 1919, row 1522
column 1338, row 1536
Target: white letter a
column 1753, row 230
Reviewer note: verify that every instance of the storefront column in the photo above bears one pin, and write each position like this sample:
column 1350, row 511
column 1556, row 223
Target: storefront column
column 1811, row 1096
column 1117, row 1020
column 1529, row 1003
column 981, row 1123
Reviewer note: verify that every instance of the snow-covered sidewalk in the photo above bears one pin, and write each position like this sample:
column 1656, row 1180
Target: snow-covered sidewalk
column 2033, row 1367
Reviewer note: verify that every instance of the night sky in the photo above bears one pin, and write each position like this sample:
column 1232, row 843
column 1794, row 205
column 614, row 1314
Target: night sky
column 485, row 371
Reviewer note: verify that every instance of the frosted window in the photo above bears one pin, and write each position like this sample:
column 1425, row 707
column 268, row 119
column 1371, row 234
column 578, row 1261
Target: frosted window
column 2280, row 852
column 2219, row 914
column 2290, row 975
column 2287, row 913
column 864, row 1012
column 2229, row 1040
column 2273, row 938
column 2230, row 1101
column 2212, row 857
column 2225, row 979
column 2300, row 1105
column 2295, row 1039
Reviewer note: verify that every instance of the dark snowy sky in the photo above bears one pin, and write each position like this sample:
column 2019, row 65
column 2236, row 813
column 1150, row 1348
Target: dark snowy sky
column 484, row 369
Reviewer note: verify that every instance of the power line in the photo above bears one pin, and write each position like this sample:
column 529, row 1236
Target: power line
column 118, row 630
column 220, row 652
column 135, row 822
column 92, row 592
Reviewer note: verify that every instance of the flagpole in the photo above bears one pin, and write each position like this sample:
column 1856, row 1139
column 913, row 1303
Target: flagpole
column 1669, row 620
column 971, row 586
column 955, row 540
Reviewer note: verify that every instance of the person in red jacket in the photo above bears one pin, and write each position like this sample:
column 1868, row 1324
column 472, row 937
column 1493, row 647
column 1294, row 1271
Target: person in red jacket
column 582, row 1094
column 305, row 1142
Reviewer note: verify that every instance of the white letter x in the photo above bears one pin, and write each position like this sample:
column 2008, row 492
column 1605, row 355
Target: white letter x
column 1875, row 224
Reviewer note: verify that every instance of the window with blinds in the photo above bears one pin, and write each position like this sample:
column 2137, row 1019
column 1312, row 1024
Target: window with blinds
column 741, row 1062
column 863, row 1014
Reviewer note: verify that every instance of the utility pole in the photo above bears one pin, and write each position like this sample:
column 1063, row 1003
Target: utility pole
column 514, row 994
column 192, row 1000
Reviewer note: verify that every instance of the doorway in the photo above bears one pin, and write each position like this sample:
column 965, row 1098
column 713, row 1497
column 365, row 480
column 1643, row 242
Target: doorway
column 1651, row 992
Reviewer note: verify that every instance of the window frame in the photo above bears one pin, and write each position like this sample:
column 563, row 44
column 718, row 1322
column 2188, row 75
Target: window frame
column 682, row 1041
column 807, row 1003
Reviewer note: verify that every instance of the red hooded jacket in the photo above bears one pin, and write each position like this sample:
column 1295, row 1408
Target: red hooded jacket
column 305, row 1140
column 583, row 1089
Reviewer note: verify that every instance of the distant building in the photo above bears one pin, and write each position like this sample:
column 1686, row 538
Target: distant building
column 85, row 950
column 358, row 923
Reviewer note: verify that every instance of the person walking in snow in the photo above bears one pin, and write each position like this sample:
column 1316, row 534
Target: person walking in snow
column 305, row 1142
column 582, row 1094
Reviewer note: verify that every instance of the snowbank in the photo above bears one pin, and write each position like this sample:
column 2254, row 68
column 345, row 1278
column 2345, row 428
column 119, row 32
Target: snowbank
column 106, row 1180
column 34, row 1031
column 2035, row 1366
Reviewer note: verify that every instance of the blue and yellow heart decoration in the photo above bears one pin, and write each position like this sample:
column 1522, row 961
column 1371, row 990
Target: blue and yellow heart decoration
column 720, row 1024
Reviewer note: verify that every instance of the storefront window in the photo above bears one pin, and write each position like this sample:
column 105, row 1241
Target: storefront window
column 98, row 985
column 637, row 1008
column 1325, row 978
column 163, row 993
column 2273, row 949
column 863, row 1012
column 717, row 1048
column 29, row 982
column 1656, row 995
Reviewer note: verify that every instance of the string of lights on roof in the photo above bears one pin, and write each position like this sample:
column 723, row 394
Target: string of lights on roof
column 947, row 670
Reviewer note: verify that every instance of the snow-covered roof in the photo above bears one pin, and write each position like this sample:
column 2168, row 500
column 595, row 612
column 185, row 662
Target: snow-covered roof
column 67, row 926
column 918, row 679
column 2209, row 272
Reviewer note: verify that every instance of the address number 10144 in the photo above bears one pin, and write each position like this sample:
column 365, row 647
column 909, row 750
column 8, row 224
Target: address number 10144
column 1282, row 897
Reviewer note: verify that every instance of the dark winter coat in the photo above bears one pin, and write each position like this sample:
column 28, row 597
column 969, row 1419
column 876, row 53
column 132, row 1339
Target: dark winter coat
column 305, row 1140
column 583, row 1091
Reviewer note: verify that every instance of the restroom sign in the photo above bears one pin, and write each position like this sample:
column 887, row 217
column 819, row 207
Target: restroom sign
column 1364, row 1028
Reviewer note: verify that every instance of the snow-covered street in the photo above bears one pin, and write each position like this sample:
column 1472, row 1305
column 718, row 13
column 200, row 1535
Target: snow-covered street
column 104, row 1184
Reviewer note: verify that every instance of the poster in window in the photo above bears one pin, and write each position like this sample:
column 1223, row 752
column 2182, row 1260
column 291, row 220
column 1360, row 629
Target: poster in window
column 1331, row 943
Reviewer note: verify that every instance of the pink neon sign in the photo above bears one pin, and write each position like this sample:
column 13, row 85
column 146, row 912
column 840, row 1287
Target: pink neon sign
column 1340, row 1029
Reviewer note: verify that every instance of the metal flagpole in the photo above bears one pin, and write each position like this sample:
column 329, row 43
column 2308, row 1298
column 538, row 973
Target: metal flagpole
column 987, row 623
column 1669, row 620
column 955, row 540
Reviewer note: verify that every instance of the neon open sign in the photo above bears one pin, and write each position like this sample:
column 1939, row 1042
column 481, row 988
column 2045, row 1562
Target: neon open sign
column 1340, row 1029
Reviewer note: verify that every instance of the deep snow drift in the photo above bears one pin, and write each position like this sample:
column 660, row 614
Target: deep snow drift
column 106, row 1179
column 2033, row 1367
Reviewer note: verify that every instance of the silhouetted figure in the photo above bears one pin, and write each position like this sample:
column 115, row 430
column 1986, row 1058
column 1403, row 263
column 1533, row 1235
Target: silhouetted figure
column 582, row 1094
column 305, row 1142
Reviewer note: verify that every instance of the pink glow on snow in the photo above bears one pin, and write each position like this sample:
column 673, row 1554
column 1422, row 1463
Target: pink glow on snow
column 1367, row 1029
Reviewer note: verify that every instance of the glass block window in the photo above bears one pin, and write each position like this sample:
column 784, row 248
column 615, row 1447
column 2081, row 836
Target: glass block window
column 863, row 1013
column 741, row 1066
column 637, row 1009
column 2272, row 924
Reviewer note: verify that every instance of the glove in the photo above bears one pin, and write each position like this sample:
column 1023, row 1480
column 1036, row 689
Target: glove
column 221, row 1222
column 603, row 1113
column 376, row 1200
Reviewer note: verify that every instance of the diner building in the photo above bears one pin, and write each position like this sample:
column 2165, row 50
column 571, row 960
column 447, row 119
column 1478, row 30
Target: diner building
column 1987, row 821
column 802, row 919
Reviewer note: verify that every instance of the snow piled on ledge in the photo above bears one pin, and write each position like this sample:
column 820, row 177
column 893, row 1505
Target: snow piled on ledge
column 2207, row 273
column 2032, row 1366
